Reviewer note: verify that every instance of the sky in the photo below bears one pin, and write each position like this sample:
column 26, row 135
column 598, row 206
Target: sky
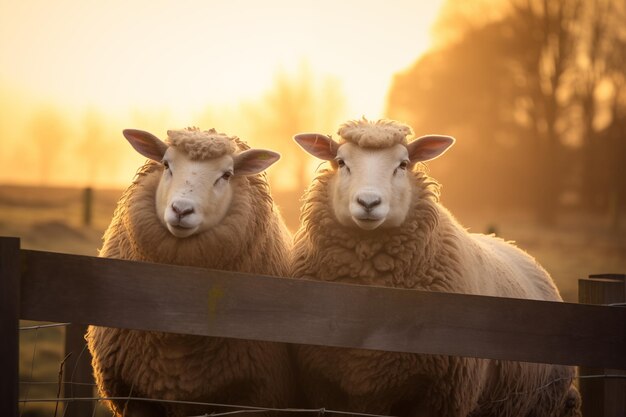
column 116, row 54
column 121, row 57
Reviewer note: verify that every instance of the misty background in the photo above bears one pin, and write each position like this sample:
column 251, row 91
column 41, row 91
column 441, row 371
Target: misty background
column 534, row 91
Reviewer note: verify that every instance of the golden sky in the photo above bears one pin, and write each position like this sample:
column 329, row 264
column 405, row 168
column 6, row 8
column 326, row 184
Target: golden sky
column 186, row 53
column 120, row 57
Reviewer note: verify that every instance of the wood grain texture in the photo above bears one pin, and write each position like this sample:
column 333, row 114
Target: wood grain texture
column 168, row 298
column 9, row 323
column 603, row 397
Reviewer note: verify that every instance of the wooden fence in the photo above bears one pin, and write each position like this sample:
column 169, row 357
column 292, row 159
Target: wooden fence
column 79, row 289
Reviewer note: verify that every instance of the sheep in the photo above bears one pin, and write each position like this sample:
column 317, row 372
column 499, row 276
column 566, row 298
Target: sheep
column 197, row 201
column 374, row 218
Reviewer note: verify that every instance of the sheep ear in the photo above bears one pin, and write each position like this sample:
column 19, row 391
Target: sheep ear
column 146, row 143
column 318, row 145
column 429, row 147
column 254, row 161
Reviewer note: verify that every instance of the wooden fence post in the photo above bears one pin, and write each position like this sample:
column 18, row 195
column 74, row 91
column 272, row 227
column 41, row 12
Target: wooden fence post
column 9, row 324
column 603, row 397
column 77, row 369
column 87, row 206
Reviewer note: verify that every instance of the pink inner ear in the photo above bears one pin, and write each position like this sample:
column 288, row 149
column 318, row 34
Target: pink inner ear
column 429, row 147
column 318, row 145
column 254, row 161
column 146, row 143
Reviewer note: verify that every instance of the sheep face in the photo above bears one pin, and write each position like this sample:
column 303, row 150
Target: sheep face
column 194, row 195
column 372, row 187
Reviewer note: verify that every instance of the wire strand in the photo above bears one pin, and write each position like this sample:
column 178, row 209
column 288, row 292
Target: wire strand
column 242, row 408
column 60, row 385
column 251, row 409
column 44, row 326
column 608, row 376
column 76, row 362
column 56, row 382
column 32, row 367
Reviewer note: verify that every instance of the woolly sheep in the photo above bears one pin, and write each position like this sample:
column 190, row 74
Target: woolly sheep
column 197, row 201
column 373, row 218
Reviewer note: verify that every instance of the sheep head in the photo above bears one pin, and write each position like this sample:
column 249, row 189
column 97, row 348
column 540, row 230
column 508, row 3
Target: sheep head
column 371, row 180
column 200, row 172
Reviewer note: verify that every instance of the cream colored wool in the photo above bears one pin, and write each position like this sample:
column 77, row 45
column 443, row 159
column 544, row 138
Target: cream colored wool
column 429, row 251
column 201, row 145
column 374, row 134
column 251, row 238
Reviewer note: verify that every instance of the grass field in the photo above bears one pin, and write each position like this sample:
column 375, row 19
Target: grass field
column 51, row 219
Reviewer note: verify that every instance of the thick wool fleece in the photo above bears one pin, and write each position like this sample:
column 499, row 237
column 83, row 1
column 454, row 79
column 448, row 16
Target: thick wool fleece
column 251, row 238
column 430, row 251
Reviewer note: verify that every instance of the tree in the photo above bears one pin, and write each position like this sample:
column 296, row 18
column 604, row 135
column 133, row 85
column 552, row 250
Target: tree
column 601, row 67
column 466, row 90
column 505, row 87
column 552, row 25
column 295, row 103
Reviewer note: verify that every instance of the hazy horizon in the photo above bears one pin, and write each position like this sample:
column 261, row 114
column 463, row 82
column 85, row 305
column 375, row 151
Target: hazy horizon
column 79, row 68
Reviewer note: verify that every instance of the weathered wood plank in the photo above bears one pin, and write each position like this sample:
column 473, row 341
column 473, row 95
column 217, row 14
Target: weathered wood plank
column 603, row 397
column 9, row 323
column 216, row 303
column 601, row 291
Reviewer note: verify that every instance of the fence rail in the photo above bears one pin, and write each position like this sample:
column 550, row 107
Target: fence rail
column 145, row 296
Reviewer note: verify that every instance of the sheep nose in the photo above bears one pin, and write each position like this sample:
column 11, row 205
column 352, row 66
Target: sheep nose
column 368, row 201
column 182, row 209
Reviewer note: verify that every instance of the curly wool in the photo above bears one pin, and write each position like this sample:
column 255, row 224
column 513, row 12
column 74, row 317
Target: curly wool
column 324, row 249
column 202, row 145
column 374, row 134
column 159, row 365
column 430, row 251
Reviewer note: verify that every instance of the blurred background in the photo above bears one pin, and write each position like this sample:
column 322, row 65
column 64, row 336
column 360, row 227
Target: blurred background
column 534, row 91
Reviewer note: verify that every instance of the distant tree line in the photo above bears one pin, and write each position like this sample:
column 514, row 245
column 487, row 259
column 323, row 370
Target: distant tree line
column 87, row 146
column 536, row 97
column 295, row 102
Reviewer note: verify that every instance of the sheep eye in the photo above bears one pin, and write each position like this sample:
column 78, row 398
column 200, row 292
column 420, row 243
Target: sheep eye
column 341, row 164
column 225, row 176
column 403, row 166
column 166, row 164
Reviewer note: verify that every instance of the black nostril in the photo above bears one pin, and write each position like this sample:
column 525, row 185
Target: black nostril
column 368, row 204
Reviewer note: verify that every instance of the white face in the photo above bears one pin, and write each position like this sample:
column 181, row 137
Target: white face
column 193, row 196
column 372, row 187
